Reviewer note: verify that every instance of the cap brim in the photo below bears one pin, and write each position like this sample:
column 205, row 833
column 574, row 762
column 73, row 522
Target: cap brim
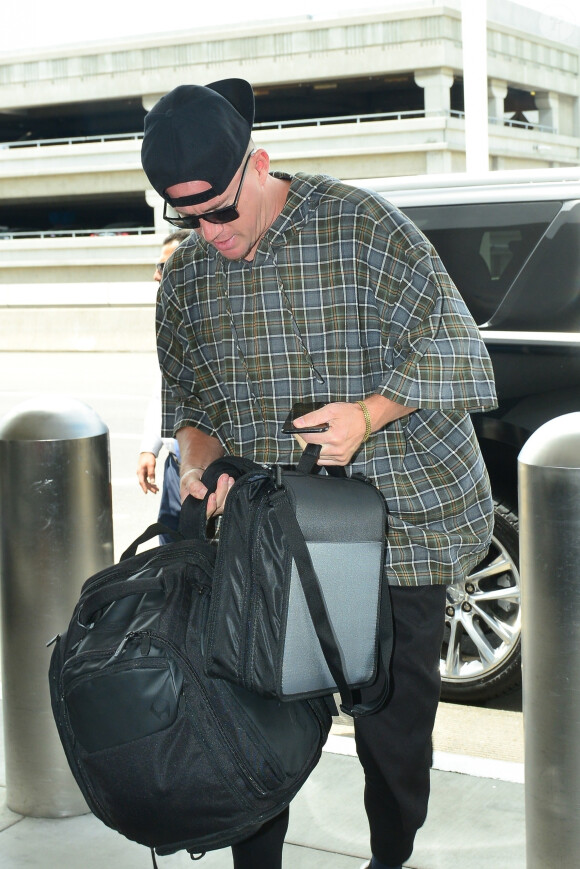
column 239, row 93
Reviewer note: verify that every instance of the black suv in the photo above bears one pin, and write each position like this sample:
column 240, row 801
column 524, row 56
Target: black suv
column 511, row 243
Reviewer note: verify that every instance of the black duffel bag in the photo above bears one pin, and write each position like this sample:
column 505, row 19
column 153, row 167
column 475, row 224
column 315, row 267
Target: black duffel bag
column 167, row 756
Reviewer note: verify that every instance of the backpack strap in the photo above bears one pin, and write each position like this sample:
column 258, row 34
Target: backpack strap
column 192, row 525
column 152, row 531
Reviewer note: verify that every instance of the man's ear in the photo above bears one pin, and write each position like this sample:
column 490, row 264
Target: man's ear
column 262, row 164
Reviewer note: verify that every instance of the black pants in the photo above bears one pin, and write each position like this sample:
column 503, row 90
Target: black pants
column 263, row 850
column 394, row 745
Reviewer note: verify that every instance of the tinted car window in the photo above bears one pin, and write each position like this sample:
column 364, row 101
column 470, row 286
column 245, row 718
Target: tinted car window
column 546, row 295
column 484, row 246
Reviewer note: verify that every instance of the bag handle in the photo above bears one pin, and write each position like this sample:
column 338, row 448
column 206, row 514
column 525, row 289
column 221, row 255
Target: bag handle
column 308, row 459
column 352, row 701
column 109, row 593
column 191, row 526
column 152, row 531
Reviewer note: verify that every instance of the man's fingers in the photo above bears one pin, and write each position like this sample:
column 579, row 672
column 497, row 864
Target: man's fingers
column 217, row 499
column 146, row 472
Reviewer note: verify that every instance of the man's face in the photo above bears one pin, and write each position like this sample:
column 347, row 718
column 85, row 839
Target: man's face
column 238, row 239
column 166, row 252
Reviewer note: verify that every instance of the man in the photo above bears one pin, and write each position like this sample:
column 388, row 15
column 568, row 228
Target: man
column 303, row 288
column 152, row 441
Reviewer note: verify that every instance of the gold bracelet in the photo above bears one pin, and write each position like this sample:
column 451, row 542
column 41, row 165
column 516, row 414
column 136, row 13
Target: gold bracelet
column 368, row 424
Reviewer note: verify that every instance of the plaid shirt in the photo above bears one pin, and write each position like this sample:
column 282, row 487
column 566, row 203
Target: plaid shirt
column 344, row 298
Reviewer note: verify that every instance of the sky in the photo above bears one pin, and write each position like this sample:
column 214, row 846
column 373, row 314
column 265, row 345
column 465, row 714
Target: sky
column 30, row 24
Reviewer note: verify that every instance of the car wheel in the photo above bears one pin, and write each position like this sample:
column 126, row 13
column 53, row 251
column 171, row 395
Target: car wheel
column 481, row 651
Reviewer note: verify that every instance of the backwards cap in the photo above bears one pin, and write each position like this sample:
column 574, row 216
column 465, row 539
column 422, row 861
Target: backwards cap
column 197, row 133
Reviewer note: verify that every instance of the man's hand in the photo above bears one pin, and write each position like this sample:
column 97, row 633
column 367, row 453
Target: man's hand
column 348, row 426
column 197, row 451
column 190, row 484
column 146, row 472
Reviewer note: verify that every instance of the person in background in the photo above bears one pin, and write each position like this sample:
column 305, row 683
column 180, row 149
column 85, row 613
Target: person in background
column 298, row 287
column 152, row 442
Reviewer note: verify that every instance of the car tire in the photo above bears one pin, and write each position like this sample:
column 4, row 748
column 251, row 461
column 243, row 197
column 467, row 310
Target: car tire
column 481, row 651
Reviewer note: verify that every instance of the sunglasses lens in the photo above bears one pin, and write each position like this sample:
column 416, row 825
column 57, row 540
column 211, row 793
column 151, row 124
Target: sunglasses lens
column 190, row 221
column 185, row 222
column 224, row 215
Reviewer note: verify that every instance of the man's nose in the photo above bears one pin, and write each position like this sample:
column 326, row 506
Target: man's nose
column 210, row 230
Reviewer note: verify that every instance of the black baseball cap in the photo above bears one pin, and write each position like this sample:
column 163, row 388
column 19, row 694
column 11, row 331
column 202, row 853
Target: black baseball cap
column 198, row 133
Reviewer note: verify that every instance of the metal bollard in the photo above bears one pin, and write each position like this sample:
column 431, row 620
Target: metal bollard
column 549, row 487
column 56, row 530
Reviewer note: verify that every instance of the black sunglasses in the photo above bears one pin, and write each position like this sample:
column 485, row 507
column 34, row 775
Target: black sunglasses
column 220, row 215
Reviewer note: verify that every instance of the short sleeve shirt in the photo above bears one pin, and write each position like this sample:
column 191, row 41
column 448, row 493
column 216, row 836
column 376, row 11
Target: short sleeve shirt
column 344, row 298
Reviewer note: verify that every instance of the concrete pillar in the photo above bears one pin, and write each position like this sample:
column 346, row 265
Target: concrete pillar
column 496, row 93
column 438, row 162
column 436, row 84
column 475, row 89
column 153, row 199
column 548, row 105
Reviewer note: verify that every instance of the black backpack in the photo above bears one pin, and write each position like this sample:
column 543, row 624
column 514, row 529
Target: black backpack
column 167, row 756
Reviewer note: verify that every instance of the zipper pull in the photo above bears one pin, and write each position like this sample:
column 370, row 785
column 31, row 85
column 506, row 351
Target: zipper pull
column 123, row 643
column 53, row 641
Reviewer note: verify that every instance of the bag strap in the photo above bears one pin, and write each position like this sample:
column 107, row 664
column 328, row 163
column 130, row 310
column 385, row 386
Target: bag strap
column 107, row 594
column 308, row 459
column 152, row 531
column 192, row 524
column 352, row 701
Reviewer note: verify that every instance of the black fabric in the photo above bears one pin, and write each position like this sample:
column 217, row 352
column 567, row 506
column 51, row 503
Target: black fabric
column 197, row 133
column 167, row 756
column 394, row 746
column 268, row 514
column 263, row 850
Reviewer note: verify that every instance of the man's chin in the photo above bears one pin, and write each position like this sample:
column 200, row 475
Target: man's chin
column 234, row 254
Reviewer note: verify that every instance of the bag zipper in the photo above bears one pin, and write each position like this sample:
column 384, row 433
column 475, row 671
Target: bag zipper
column 263, row 472
column 249, row 607
column 194, row 559
column 123, row 569
column 177, row 653
column 80, row 766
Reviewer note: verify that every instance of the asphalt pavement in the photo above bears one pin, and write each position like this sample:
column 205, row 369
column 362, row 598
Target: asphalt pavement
column 476, row 814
